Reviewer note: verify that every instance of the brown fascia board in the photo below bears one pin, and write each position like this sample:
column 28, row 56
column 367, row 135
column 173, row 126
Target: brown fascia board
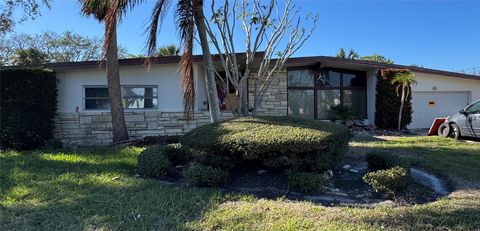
column 383, row 65
column 198, row 58
column 65, row 66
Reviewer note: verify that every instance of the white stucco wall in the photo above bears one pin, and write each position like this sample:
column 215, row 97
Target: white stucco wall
column 165, row 77
column 427, row 82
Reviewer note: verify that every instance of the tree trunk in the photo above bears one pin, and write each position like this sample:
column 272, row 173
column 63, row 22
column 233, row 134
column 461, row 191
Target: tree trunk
column 207, row 60
column 114, row 92
column 402, row 102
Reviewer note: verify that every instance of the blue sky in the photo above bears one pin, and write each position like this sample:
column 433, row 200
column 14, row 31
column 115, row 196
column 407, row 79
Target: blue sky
column 437, row 34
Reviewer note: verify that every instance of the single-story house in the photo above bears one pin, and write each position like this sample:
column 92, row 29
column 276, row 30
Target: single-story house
column 153, row 96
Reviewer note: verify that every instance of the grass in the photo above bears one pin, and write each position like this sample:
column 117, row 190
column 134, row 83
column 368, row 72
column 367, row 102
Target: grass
column 95, row 189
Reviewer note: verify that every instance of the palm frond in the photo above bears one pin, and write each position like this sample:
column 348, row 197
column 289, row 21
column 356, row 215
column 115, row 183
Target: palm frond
column 158, row 14
column 186, row 27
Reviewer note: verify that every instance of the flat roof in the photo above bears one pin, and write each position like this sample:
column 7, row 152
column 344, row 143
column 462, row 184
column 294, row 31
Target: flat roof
column 65, row 66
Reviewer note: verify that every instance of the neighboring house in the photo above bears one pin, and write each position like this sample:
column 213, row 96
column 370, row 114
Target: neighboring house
column 307, row 87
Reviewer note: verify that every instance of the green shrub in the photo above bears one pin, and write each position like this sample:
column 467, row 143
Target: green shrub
column 306, row 181
column 28, row 103
column 378, row 160
column 204, row 175
column 302, row 144
column 343, row 113
column 387, row 181
column 387, row 104
column 153, row 162
column 177, row 154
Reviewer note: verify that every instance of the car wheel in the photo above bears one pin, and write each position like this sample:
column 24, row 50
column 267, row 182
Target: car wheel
column 444, row 130
column 456, row 132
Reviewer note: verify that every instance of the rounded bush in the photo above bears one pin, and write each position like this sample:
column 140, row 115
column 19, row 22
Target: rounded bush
column 387, row 181
column 153, row 162
column 306, row 181
column 177, row 154
column 302, row 144
column 203, row 175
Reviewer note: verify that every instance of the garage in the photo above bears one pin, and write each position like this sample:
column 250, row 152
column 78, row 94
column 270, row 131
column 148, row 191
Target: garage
column 428, row 105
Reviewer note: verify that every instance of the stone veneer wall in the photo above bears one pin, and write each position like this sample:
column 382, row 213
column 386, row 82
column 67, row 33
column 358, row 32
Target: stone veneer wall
column 95, row 128
column 275, row 100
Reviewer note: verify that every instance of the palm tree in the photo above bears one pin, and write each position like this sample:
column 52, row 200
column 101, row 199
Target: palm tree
column 189, row 15
column 110, row 12
column 168, row 50
column 341, row 53
column 403, row 80
column 353, row 54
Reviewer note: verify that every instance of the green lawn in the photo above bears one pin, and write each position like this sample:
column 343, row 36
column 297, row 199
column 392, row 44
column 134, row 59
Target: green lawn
column 95, row 189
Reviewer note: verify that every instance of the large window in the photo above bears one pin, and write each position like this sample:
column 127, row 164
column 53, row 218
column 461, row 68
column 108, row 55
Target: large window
column 311, row 93
column 133, row 97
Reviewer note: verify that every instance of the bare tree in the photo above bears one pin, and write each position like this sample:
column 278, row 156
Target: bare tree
column 272, row 35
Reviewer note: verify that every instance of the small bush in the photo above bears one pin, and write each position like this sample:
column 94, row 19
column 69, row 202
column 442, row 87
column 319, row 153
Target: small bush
column 28, row 103
column 177, row 154
column 203, row 175
column 343, row 113
column 387, row 181
column 382, row 160
column 153, row 162
column 305, row 181
column 280, row 142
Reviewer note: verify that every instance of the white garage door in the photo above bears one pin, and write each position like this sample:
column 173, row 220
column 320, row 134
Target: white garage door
column 428, row 105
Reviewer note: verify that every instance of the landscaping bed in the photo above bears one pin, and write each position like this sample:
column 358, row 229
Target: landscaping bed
column 281, row 157
column 95, row 189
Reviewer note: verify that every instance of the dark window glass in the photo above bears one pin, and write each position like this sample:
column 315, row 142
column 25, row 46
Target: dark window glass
column 474, row 109
column 132, row 97
column 326, row 99
column 354, row 80
column 357, row 100
column 96, row 92
column 300, row 103
column 96, row 98
column 97, row 104
column 140, row 92
column 136, row 103
column 329, row 79
column 301, row 78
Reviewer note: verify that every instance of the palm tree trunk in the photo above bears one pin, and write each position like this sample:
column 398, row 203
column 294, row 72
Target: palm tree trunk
column 114, row 92
column 402, row 102
column 207, row 60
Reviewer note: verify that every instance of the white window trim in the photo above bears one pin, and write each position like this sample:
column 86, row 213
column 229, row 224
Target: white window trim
column 121, row 90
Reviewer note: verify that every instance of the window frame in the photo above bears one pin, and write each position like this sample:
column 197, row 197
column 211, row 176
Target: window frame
column 84, row 98
column 317, row 71
column 471, row 106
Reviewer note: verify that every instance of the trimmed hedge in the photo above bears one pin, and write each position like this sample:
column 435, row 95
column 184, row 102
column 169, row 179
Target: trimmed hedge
column 306, row 182
column 387, row 104
column 204, row 175
column 281, row 142
column 28, row 103
column 153, row 162
column 387, row 181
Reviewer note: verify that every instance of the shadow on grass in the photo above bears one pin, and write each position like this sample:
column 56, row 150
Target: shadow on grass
column 57, row 194
column 85, row 190
column 459, row 211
